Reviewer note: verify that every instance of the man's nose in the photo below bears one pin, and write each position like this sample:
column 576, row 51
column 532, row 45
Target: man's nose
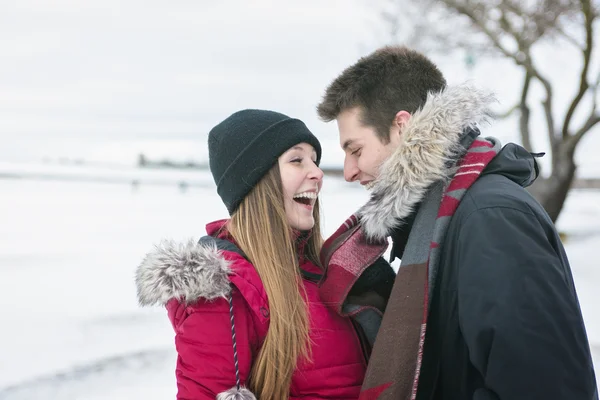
column 351, row 170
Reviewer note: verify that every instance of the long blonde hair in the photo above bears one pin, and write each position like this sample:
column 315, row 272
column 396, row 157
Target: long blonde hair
column 261, row 230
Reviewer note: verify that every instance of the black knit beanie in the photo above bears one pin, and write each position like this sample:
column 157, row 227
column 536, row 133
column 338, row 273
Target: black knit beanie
column 244, row 147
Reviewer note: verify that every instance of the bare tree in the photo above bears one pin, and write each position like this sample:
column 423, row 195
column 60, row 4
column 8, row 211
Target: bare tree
column 512, row 29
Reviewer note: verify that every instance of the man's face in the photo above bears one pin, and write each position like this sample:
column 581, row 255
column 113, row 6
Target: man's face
column 364, row 150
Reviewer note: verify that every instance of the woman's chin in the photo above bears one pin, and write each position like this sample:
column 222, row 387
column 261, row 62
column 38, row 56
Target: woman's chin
column 303, row 224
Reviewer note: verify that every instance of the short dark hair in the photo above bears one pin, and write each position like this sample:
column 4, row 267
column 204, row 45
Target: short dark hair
column 391, row 79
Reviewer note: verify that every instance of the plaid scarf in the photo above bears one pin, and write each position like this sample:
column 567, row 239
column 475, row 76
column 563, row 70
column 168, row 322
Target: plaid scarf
column 395, row 363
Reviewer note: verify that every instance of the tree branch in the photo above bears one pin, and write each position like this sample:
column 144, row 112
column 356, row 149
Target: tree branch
column 586, row 7
column 524, row 117
column 592, row 120
column 522, row 57
column 568, row 38
column 507, row 113
column 493, row 36
column 594, row 116
column 508, row 27
column 595, row 91
column 547, row 103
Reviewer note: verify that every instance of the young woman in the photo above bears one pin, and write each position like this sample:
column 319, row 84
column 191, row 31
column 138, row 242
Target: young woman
column 244, row 301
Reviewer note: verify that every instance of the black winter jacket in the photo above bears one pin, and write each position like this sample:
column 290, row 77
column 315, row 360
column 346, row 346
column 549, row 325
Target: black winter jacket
column 505, row 321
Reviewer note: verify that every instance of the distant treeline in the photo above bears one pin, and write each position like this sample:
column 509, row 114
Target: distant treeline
column 578, row 183
column 144, row 162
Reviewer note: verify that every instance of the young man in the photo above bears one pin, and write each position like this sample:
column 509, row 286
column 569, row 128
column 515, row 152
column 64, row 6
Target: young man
column 484, row 306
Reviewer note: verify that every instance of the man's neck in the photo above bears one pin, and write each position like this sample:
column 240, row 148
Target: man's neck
column 400, row 235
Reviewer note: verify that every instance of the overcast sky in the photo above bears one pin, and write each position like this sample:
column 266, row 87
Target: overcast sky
column 95, row 77
column 107, row 79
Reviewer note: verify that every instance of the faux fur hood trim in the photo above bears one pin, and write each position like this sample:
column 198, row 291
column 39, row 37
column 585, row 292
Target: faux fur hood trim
column 428, row 151
column 185, row 271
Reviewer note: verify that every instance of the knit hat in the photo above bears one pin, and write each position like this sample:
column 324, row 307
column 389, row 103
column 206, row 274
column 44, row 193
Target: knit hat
column 244, row 147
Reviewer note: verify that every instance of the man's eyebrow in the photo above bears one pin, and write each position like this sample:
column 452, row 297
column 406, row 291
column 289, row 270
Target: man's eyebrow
column 347, row 143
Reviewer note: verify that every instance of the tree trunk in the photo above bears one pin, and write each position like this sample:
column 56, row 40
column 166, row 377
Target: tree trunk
column 552, row 192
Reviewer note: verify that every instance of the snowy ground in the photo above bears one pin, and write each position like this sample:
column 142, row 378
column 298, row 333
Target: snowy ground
column 71, row 328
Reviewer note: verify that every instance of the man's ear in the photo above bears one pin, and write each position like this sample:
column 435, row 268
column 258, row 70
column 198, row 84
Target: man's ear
column 400, row 120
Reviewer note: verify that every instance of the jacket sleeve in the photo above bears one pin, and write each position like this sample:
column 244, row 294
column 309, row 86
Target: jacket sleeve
column 518, row 309
column 205, row 362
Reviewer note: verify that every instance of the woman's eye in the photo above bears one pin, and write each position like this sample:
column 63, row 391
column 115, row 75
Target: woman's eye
column 296, row 160
column 355, row 152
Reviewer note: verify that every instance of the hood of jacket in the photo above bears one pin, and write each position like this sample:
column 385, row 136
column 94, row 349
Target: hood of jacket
column 205, row 269
column 185, row 271
column 431, row 144
column 515, row 163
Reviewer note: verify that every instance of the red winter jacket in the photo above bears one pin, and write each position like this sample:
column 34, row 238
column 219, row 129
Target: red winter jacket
column 195, row 281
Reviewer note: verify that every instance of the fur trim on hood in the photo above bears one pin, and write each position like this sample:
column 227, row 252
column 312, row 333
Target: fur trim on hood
column 429, row 148
column 185, row 271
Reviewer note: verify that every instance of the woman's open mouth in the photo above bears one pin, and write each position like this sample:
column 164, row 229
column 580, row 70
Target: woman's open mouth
column 307, row 199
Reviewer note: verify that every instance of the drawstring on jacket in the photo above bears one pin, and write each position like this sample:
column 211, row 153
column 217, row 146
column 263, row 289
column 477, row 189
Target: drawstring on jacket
column 235, row 355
